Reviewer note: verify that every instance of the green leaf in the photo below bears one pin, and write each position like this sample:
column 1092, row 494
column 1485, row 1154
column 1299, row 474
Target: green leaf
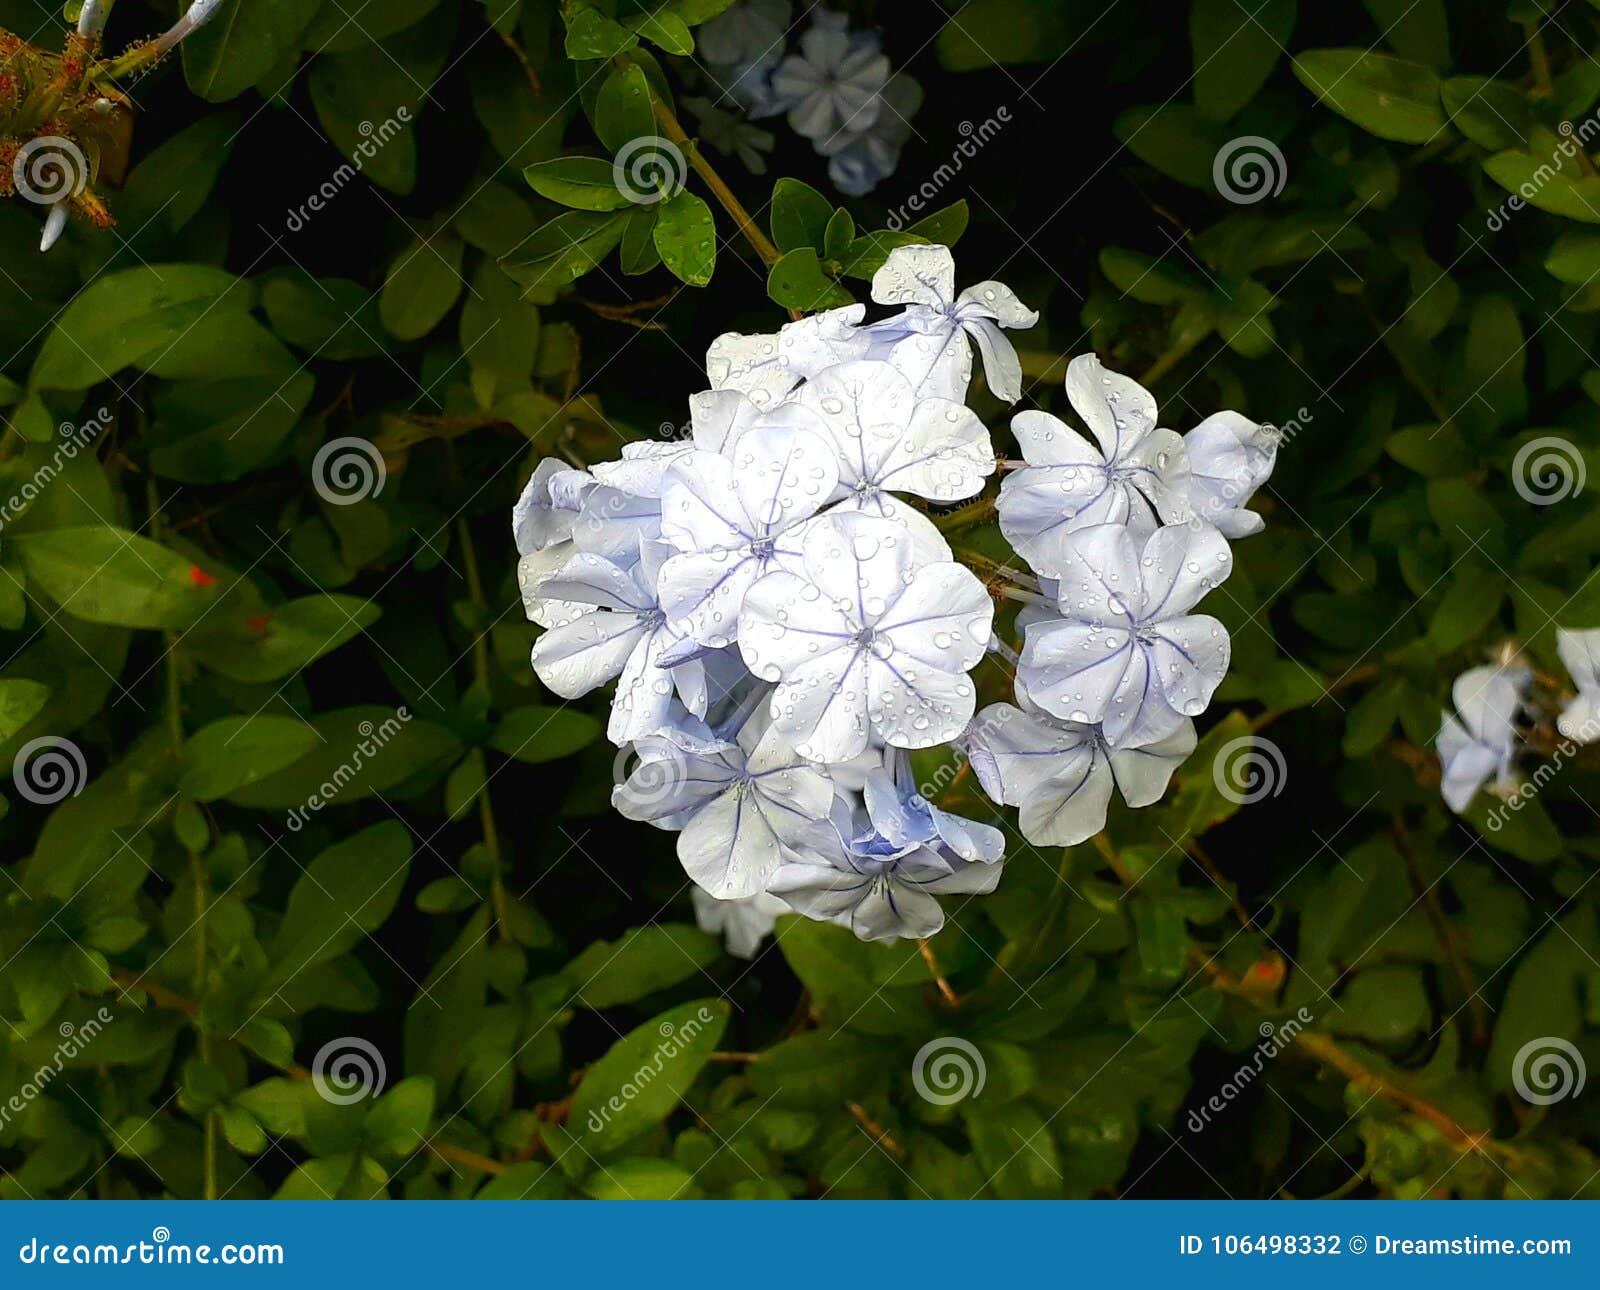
column 1389, row 97
column 20, row 702
column 590, row 34
column 640, row 1178
column 422, row 285
column 1550, row 183
column 622, row 112
column 399, row 1120
column 665, row 29
column 645, row 1074
column 643, row 961
column 942, row 227
column 235, row 751
column 1235, row 50
column 345, row 893
column 1543, row 1003
column 1417, row 29
column 241, row 44
column 585, row 183
column 799, row 215
column 798, row 282
column 108, row 575
column 686, row 236
column 535, row 734
column 565, row 248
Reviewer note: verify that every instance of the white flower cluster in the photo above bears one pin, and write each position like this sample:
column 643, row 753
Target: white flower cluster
column 1480, row 741
column 786, row 624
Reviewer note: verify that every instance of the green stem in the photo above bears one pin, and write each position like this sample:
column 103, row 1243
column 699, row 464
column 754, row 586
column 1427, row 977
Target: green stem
column 480, row 673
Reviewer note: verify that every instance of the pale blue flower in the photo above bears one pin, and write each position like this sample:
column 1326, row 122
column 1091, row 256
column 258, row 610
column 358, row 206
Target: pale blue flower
column 1230, row 457
column 865, row 640
column 542, row 524
column 860, row 159
column 1478, row 742
column 741, row 805
column 1126, row 653
column 731, row 135
column 1580, row 651
column 931, row 340
column 1061, row 773
column 834, row 83
column 889, row 861
column 733, row 518
column 621, row 633
column 740, row 47
column 1138, row 475
column 765, row 368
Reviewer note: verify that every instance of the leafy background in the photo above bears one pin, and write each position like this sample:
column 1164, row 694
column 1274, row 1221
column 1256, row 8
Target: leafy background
column 211, row 635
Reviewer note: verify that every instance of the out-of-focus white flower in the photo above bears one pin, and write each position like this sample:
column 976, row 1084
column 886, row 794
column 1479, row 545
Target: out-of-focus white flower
column 860, row 160
column 742, row 923
column 834, row 83
column 733, row 136
column 1478, row 742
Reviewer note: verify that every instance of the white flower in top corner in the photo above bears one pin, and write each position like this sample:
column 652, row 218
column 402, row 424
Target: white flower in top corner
column 860, row 159
column 833, row 83
column 1126, row 653
column 1137, row 476
column 1478, row 742
column 1230, row 457
column 930, row 340
column 733, row 518
column 1580, row 651
column 864, row 642
column 623, row 635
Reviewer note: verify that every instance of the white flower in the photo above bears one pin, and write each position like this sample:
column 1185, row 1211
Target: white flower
column 1230, row 457
column 765, row 368
column 743, row 923
column 1483, row 742
column 930, row 341
column 889, row 440
column 1139, row 476
column 1580, row 651
column 741, row 806
column 859, row 160
column 886, row 864
column 623, row 634
column 542, row 524
column 1060, row 773
column 834, row 82
column 750, row 33
column 1126, row 652
column 735, row 517
column 864, row 642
